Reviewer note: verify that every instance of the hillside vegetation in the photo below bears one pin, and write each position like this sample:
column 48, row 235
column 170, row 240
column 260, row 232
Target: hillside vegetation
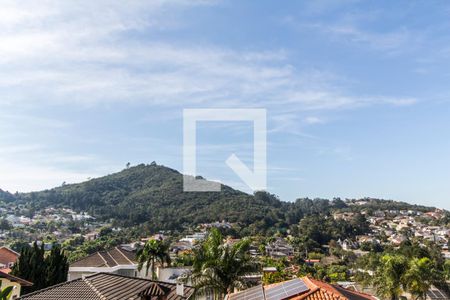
column 153, row 195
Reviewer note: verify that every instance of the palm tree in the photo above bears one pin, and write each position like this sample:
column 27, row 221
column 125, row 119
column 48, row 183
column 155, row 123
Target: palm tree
column 153, row 251
column 221, row 267
column 389, row 276
column 420, row 277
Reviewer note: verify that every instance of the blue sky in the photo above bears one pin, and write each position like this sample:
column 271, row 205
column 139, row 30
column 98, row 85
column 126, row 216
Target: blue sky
column 357, row 92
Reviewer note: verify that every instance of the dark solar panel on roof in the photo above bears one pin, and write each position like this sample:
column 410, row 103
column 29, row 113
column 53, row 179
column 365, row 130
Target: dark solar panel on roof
column 436, row 294
column 254, row 293
column 287, row 289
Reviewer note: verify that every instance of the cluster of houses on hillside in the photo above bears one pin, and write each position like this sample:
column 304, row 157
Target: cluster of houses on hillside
column 13, row 215
column 397, row 226
column 18, row 223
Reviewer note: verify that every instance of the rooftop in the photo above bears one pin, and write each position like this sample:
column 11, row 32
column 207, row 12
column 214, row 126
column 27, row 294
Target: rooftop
column 109, row 258
column 12, row 278
column 300, row 289
column 106, row 286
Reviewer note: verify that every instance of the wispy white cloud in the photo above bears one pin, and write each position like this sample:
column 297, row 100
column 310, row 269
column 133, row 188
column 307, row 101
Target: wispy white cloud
column 70, row 53
column 89, row 53
column 342, row 152
column 395, row 41
column 11, row 120
column 358, row 27
column 314, row 120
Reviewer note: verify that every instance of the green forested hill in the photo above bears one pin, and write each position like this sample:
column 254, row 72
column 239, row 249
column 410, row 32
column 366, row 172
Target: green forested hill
column 153, row 195
column 6, row 196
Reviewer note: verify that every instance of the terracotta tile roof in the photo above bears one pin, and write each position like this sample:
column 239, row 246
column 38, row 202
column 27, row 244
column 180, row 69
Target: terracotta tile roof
column 71, row 290
column 110, row 258
column 319, row 290
column 314, row 290
column 354, row 295
column 12, row 278
column 106, row 286
column 122, row 257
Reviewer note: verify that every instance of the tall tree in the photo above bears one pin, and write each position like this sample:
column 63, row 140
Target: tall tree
column 420, row 276
column 221, row 267
column 57, row 266
column 31, row 266
column 42, row 271
column 154, row 251
column 4, row 225
column 389, row 276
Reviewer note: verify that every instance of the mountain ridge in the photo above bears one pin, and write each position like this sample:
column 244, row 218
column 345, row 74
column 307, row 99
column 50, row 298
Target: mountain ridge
column 150, row 193
column 153, row 195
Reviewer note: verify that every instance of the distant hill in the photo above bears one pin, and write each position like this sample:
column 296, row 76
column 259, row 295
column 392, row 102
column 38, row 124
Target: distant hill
column 153, row 195
column 6, row 196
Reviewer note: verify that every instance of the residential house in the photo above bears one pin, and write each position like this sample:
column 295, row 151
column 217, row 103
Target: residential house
column 346, row 216
column 446, row 254
column 16, row 282
column 312, row 262
column 366, row 239
column 172, row 274
column 279, row 248
column 113, row 286
column 397, row 239
column 177, row 275
column 379, row 214
column 180, row 247
column 91, row 236
column 8, row 258
column 194, row 238
column 223, row 224
column 347, row 244
column 118, row 260
column 299, row 289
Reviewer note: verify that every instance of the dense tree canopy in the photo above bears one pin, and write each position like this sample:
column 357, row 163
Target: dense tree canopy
column 221, row 267
column 152, row 196
column 41, row 269
column 318, row 229
column 412, row 268
column 153, row 252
